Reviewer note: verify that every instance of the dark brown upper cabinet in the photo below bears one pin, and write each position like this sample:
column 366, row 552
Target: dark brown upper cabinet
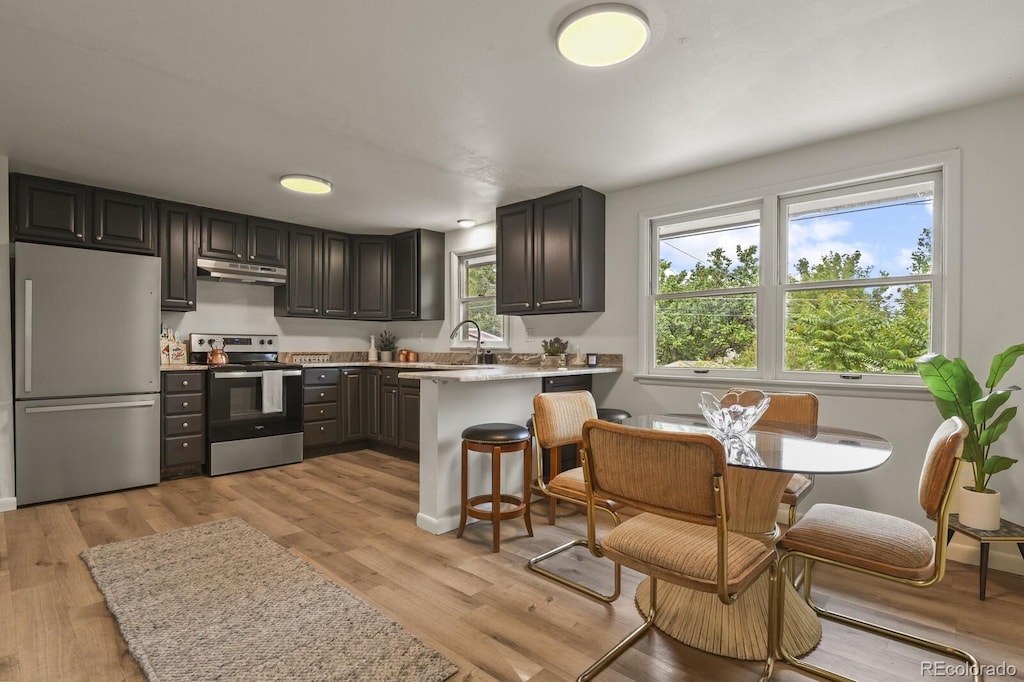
column 336, row 284
column 550, row 254
column 266, row 242
column 302, row 296
column 63, row 213
column 178, row 230
column 49, row 211
column 123, row 222
column 232, row 236
column 371, row 277
column 417, row 275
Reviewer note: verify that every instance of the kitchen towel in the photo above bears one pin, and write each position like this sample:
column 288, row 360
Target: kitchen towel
column 272, row 387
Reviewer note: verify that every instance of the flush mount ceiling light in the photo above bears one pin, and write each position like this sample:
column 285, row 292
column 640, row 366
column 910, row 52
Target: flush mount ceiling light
column 466, row 222
column 602, row 35
column 307, row 184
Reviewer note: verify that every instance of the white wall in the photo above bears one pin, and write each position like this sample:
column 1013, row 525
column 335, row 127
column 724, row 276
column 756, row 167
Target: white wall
column 993, row 244
column 6, row 376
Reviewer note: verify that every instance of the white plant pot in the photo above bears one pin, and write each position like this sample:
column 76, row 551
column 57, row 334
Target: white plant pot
column 387, row 356
column 979, row 510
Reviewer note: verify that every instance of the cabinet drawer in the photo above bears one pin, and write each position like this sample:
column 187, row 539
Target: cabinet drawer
column 183, row 382
column 319, row 377
column 319, row 433
column 185, row 450
column 389, row 377
column 183, row 403
column 319, row 412
column 319, row 394
column 579, row 382
column 183, row 425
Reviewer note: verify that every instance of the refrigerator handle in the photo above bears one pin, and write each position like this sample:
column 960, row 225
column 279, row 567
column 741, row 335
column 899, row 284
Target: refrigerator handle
column 90, row 406
column 28, row 336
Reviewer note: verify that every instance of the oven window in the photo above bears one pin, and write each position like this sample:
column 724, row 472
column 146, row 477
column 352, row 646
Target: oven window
column 245, row 400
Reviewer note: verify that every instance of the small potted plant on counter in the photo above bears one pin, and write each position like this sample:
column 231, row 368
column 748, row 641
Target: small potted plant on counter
column 957, row 392
column 554, row 352
column 386, row 345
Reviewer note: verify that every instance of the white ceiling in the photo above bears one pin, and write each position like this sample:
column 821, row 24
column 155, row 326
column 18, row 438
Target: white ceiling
column 425, row 111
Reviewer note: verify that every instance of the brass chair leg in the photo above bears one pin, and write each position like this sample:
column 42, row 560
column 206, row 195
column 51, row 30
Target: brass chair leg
column 792, row 515
column 783, row 655
column 616, row 651
column 534, row 565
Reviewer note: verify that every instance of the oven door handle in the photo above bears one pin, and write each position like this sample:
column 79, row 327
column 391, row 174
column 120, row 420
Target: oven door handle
column 244, row 374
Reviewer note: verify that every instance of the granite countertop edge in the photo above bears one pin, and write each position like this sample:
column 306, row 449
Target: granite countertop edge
column 442, row 371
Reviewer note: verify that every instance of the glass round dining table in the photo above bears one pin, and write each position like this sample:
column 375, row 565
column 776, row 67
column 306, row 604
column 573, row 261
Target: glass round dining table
column 761, row 462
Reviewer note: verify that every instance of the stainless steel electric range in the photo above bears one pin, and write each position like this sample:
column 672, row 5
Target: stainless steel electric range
column 254, row 403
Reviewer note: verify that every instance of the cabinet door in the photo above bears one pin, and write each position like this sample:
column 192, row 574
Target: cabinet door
column 336, row 276
column 353, row 392
column 177, row 227
column 389, row 415
column 514, row 258
column 222, row 235
column 556, row 252
column 405, row 261
column 302, row 293
column 50, row 211
column 409, row 417
column 123, row 222
column 371, row 278
column 267, row 242
column 373, row 398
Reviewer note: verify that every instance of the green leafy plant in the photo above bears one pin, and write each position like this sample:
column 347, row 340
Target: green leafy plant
column 555, row 346
column 387, row 341
column 958, row 393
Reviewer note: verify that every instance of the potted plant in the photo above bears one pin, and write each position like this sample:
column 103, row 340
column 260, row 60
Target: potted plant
column 554, row 352
column 957, row 392
column 386, row 345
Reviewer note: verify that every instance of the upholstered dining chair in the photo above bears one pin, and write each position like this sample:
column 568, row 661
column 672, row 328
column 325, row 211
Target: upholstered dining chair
column 800, row 409
column 679, row 481
column 558, row 420
column 880, row 545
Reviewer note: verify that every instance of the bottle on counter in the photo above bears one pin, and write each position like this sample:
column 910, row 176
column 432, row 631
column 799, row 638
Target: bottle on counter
column 372, row 355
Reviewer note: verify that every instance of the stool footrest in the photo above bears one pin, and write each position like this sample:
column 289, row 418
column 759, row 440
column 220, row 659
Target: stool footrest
column 474, row 507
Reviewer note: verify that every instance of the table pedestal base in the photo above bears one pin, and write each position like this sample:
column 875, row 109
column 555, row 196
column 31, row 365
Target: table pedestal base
column 739, row 630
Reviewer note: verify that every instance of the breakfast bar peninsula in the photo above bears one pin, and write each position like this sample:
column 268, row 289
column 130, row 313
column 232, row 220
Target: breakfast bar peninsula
column 454, row 399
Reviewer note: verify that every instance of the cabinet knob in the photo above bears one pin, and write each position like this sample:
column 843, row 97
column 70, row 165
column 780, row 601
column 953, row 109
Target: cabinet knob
column 316, row 310
column 191, row 303
column 322, row 395
column 185, row 404
column 355, row 312
column 322, row 428
column 252, row 257
column 184, row 383
column 238, row 255
column 323, row 376
column 185, row 444
column 526, row 305
column 78, row 234
column 99, row 239
column 413, row 312
column 184, row 425
column 321, row 411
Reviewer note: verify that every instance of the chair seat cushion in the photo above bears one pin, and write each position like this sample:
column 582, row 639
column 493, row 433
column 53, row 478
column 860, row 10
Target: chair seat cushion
column 572, row 486
column 863, row 538
column 798, row 486
column 685, row 553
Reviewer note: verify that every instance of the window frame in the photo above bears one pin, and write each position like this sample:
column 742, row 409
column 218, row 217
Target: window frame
column 772, row 290
column 459, row 260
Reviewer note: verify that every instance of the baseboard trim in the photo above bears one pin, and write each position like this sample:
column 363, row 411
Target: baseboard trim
column 8, row 504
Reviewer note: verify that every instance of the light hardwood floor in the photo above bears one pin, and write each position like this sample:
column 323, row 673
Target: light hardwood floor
column 352, row 516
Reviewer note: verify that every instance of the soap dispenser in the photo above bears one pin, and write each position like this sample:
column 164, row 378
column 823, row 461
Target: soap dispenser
column 372, row 355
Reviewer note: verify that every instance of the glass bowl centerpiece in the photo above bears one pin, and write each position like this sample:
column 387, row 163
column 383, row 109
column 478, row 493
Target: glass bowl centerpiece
column 735, row 412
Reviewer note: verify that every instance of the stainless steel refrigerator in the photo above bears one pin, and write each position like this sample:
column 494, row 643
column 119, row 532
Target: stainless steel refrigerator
column 87, row 371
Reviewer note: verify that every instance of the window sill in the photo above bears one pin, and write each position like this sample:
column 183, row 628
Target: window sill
column 860, row 390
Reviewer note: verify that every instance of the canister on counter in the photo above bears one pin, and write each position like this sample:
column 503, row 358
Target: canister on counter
column 403, row 355
column 413, row 356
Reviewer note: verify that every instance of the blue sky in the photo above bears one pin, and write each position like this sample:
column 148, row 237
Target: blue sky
column 885, row 234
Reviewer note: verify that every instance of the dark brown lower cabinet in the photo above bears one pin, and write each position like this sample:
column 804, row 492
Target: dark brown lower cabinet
column 353, row 416
column 373, row 403
column 409, row 415
column 183, row 423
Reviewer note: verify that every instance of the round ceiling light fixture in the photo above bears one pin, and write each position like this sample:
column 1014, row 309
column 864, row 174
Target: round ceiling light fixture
column 306, row 184
column 466, row 223
column 602, row 35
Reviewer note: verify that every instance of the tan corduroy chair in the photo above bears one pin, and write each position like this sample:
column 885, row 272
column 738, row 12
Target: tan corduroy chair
column 800, row 409
column 880, row 545
column 558, row 420
column 680, row 483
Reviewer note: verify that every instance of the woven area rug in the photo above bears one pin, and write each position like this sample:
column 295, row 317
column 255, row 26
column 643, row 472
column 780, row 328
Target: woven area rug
column 222, row 601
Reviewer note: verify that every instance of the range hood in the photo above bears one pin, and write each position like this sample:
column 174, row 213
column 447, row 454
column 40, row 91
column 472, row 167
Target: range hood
column 229, row 271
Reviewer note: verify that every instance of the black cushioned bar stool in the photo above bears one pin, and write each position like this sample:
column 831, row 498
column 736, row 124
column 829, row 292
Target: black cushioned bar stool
column 612, row 414
column 496, row 439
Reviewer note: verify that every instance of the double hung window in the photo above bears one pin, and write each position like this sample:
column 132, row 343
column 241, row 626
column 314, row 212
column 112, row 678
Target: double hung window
column 476, row 284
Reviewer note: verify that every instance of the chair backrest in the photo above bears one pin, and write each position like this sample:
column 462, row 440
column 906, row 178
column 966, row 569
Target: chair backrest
column 668, row 473
column 558, row 417
column 940, row 466
column 789, row 408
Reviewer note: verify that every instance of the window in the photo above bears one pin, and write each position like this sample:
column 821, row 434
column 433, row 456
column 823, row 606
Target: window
column 476, row 287
column 838, row 284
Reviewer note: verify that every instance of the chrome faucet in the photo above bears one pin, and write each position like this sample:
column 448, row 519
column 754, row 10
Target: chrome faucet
column 460, row 325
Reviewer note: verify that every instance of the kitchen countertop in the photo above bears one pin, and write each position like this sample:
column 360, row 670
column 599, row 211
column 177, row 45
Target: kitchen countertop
column 467, row 373
column 182, row 368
